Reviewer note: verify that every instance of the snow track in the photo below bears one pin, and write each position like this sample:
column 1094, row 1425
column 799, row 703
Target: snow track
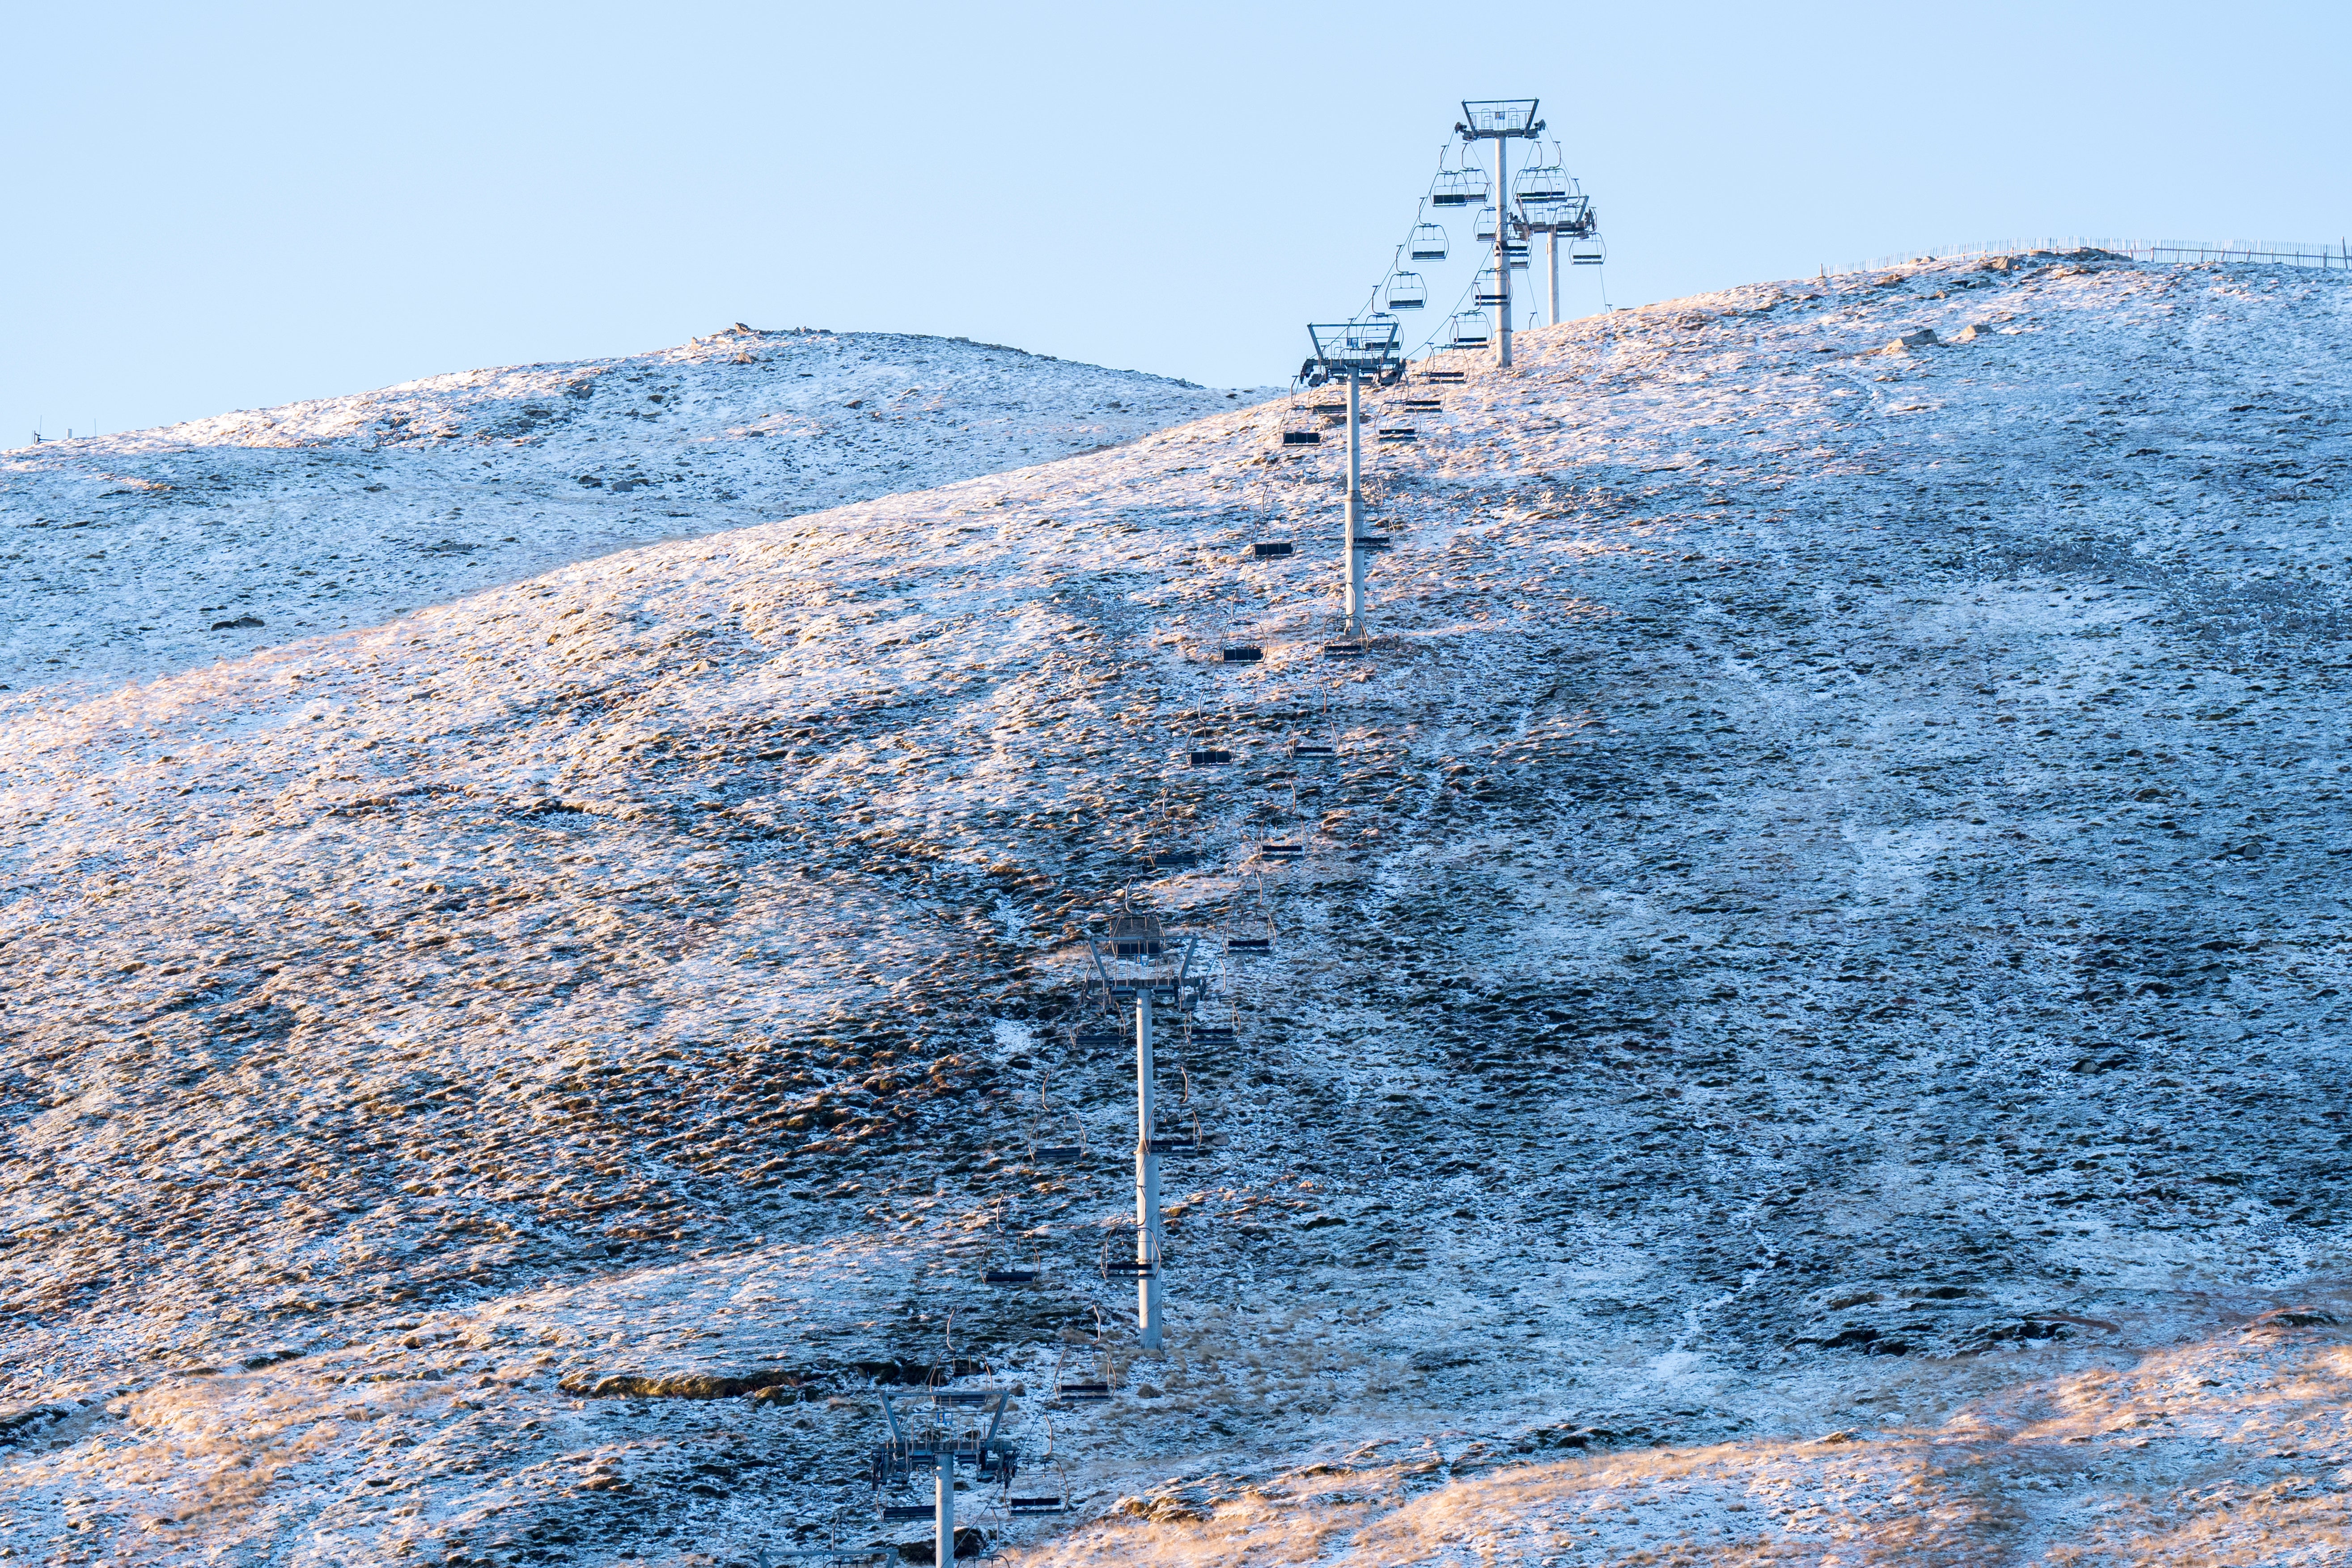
column 1824, row 921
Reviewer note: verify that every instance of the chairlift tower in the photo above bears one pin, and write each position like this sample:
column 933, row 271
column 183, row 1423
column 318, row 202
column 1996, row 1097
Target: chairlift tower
column 1572, row 215
column 910, row 1450
column 1355, row 352
column 1137, row 962
column 1498, row 119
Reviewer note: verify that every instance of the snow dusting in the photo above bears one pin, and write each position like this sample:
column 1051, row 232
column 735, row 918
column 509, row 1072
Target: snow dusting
column 134, row 554
column 1808, row 1026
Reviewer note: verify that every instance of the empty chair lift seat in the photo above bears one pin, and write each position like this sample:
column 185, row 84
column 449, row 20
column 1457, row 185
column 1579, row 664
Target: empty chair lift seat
column 1343, row 651
column 1008, row 1277
column 1271, row 549
column 1242, row 653
column 1059, row 1153
column 1249, row 944
column 1397, row 435
column 1445, row 377
column 1207, row 757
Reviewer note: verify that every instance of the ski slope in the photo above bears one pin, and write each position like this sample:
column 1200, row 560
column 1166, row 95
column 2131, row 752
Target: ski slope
column 132, row 555
column 1810, row 1025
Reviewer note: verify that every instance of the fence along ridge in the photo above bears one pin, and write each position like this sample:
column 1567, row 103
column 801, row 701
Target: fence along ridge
column 2279, row 252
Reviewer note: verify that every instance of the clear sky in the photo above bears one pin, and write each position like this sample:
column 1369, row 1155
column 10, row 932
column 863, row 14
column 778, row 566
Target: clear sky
column 233, row 205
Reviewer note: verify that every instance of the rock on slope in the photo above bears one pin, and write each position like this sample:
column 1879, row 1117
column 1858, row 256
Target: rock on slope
column 133, row 555
column 1811, row 1019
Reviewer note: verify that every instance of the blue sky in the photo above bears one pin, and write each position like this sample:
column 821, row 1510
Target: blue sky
column 231, row 206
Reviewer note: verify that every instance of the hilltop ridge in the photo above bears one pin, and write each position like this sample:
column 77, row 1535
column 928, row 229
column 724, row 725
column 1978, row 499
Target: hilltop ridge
column 150, row 551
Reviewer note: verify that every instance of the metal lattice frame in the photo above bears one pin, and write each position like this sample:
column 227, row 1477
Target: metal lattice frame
column 1484, row 118
column 1366, row 348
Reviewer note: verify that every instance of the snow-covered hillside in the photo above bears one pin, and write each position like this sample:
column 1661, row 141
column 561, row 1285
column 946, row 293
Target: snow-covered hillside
column 1810, row 1025
column 129, row 555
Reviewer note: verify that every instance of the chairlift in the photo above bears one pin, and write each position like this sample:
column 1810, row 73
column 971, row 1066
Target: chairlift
column 1395, row 435
column 1343, row 651
column 1313, row 751
column 1127, row 1267
column 1483, row 226
column 1056, row 1502
column 1272, row 549
column 1297, row 429
column 1445, row 377
column 1540, row 183
column 1453, row 188
column 1242, row 653
column 1588, row 251
column 1406, row 291
column 1207, row 757
column 1091, row 1393
column 1249, row 944
column 849, row 1556
column 1424, row 404
column 1053, row 1154
column 1425, row 243
column 1488, row 290
column 1008, row 1276
column 1282, row 851
column 1371, row 542
column 1165, row 859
